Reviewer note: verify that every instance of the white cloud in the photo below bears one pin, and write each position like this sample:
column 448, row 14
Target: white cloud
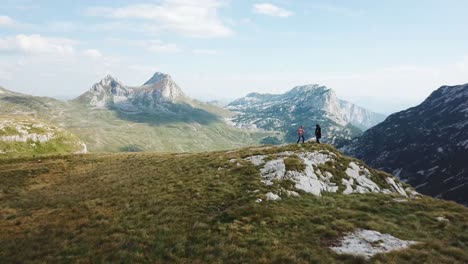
column 271, row 10
column 160, row 47
column 36, row 44
column 205, row 52
column 186, row 17
column 6, row 21
column 92, row 53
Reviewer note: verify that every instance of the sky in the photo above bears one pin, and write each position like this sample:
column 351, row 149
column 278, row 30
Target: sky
column 382, row 55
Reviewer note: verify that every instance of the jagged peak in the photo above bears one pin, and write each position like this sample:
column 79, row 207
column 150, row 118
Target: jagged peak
column 157, row 77
column 108, row 80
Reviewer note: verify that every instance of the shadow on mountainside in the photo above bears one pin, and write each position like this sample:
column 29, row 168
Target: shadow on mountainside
column 168, row 113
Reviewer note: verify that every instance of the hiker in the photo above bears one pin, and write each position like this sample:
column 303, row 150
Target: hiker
column 300, row 134
column 318, row 133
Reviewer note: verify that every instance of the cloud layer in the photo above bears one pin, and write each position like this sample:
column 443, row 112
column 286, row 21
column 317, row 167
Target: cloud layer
column 271, row 10
column 36, row 44
column 191, row 18
column 6, row 21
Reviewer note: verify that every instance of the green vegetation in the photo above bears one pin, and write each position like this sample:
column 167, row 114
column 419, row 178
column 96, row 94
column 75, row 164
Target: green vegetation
column 8, row 131
column 294, row 163
column 200, row 208
column 60, row 142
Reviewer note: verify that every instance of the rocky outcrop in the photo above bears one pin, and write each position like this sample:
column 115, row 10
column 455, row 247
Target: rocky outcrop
column 325, row 171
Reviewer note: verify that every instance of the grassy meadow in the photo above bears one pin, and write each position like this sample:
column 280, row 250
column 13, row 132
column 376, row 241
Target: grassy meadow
column 200, row 208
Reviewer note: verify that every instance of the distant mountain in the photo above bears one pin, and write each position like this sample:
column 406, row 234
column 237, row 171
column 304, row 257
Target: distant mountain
column 303, row 105
column 155, row 94
column 156, row 116
column 426, row 146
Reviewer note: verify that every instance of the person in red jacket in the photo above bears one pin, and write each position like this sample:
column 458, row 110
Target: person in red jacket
column 300, row 134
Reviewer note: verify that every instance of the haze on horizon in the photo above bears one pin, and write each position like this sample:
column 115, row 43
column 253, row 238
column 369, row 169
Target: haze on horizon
column 382, row 56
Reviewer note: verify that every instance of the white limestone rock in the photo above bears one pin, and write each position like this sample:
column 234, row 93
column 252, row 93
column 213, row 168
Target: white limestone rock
column 396, row 186
column 256, row 160
column 272, row 197
column 367, row 243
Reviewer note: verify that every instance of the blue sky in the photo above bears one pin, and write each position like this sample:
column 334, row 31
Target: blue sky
column 383, row 55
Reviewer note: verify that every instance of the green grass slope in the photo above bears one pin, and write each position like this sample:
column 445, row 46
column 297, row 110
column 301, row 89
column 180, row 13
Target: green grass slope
column 110, row 131
column 201, row 208
column 25, row 136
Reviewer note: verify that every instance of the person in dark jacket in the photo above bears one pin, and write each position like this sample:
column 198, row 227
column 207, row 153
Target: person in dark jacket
column 318, row 133
column 300, row 134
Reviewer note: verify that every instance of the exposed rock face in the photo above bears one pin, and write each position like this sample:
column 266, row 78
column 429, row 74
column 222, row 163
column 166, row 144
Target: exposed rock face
column 157, row 77
column 303, row 105
column 425, row 146
column 154, row 94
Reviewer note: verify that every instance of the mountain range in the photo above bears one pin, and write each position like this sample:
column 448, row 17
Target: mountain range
column 303, row 105
column 159, row 116
column 156, row 116
column 425, row 146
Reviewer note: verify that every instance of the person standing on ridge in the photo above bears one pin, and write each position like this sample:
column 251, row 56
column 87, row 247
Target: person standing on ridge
column 318, row 133
column 300, row 134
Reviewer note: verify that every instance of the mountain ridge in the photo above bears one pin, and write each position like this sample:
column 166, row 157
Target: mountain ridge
column 425, row 145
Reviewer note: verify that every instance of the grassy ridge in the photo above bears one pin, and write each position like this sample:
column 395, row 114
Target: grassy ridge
column 199, row 208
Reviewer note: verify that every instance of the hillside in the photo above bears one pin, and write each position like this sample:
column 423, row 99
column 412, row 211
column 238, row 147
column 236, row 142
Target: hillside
column 425, row 146
column 289, row 204
column 157, row 116
column 25, row 136
column 303, row 105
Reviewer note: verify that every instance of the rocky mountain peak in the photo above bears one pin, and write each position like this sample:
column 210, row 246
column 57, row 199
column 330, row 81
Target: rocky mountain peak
column 109, row 80
column 158, row 77
column 162, row 84
column 109, row 92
